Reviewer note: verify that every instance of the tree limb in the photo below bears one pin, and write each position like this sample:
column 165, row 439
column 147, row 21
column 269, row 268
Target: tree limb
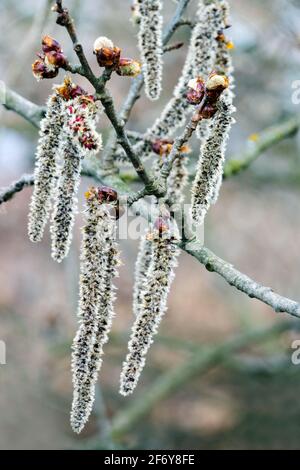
column 263, row 141
column 8, row 193
column 25, row 108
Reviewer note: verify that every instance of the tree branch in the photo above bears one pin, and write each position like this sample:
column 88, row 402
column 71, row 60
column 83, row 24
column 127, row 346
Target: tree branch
column 263, row 141
column 8, row 193
column 25, row 108
column 241, row 281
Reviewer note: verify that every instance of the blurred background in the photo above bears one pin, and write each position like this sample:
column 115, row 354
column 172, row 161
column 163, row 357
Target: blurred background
column 239, row 398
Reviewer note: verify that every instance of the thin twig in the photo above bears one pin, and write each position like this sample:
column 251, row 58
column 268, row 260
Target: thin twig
column 8, row 193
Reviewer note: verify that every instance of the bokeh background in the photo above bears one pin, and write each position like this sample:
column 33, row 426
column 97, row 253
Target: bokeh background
column 248, row 399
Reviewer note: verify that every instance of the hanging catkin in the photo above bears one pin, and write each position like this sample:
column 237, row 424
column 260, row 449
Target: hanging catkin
column 78, row 139
column 45, row 168
column 153, row 302
column 210, row 164
column 199, row 62
column 98, row 267
column 150, row 45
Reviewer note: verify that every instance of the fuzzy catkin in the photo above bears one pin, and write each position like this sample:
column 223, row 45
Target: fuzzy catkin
column 65, row 200
column 142, row 265
column 150, row 45
column 210, row 164
column 99, row 261
column 78, row 139
column 154, row 304
column 223, row 62
column 177, row 180
column 221, row 57
column 199, row 62
column 45, row 168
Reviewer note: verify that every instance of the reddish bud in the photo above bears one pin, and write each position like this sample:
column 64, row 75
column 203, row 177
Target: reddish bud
column 107, row 194
column 69, row 90
column 50, row 44
column 108, row 57
column 196, row 91
column 208, row 111
column 162, row 146
column 129, row 67
column 161, row 225
column 56, row 59
column 40, row 70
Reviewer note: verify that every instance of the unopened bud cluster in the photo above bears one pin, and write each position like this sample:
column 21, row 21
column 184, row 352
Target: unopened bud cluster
column 50, row 60
column 109, row 56
column 206, row 94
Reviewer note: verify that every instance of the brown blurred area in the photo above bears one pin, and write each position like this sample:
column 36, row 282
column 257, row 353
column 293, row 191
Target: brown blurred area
column 255, row 225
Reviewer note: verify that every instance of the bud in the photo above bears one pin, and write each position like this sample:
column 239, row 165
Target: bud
column 129, row 67
column 208, row 111
column 107, row 194
column 216, row 81
column 50, row 44
column 215, row 85
column 49, row 60
column 102, row 42
column 107, row 54
column 161, row 225
column 55, row 59
column 40, row 70
column 162, row 146
column 69, row 90
column 196, row 90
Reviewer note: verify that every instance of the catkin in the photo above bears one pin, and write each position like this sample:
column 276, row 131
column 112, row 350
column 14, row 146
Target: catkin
column 143, row 262
column 210, row 164
column 153, row 305
column 177, row 180
column 150, row 45
column 45, row 168
column 79, row 139
column 99, row 261
column 65, row 200
column 199, row 62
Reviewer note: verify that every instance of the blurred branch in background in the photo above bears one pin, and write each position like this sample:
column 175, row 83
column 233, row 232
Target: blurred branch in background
column 262, row 142
column 27, row 46
column 198, row 363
